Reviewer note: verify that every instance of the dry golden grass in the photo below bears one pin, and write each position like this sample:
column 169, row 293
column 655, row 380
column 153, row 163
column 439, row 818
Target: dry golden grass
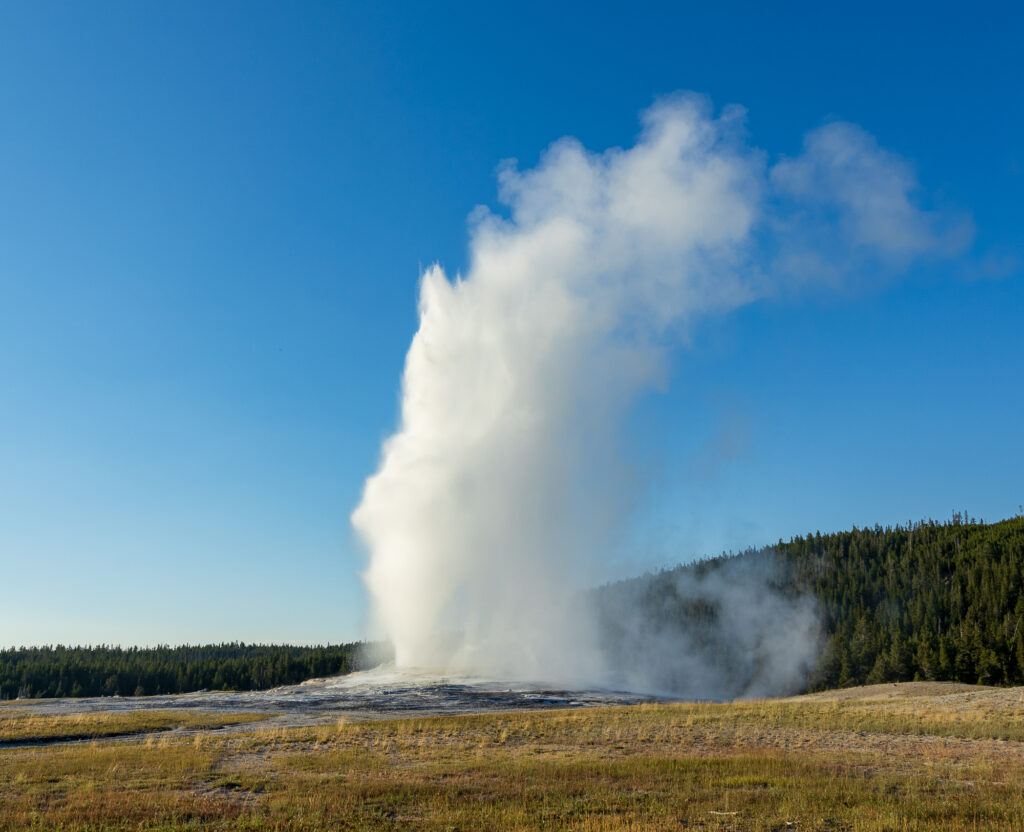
column 20, row 726
column 917, row 763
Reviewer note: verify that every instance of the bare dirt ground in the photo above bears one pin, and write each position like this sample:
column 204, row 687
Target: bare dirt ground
column 912, row 690
column 958, row 705
column 381, row 694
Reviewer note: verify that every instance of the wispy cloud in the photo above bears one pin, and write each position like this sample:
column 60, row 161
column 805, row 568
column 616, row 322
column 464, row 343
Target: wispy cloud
column 845, row 199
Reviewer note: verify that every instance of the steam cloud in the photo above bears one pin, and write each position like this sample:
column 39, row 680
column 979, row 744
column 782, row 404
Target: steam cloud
column 716, row 630
column 502, row 492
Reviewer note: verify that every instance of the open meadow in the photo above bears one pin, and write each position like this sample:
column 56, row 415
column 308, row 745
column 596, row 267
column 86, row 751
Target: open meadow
column 888, row 757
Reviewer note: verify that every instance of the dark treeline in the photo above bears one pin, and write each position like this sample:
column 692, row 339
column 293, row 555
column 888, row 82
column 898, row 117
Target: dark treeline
column 928, row 601
column 137, row 671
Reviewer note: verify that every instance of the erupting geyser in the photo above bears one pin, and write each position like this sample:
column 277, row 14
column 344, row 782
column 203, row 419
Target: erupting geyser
column 503, row 489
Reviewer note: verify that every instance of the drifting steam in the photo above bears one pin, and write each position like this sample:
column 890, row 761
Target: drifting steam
column 503, row 490
column 714, row 630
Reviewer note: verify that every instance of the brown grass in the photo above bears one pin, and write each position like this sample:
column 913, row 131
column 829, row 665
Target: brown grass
column 22, row 726
column 914, row 763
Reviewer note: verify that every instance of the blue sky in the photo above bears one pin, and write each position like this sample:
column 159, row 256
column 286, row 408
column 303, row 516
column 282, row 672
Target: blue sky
column 212, row 222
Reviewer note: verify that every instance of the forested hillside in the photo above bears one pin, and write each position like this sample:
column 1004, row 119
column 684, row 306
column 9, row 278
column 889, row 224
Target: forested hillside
column 931, row 601
column 107, row 671
column 936, row 601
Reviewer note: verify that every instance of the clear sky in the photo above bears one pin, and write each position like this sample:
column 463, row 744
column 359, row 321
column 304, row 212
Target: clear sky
column 213, row 218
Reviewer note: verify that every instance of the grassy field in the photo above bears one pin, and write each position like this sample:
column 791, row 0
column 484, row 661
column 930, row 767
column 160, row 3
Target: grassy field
column 912, row 758
column 23, row 726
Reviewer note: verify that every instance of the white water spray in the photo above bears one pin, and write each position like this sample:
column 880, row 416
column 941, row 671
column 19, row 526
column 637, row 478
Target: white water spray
column 504, row 489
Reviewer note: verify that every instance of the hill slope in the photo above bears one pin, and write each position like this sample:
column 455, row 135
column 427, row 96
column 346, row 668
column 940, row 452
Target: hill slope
column 930, row 601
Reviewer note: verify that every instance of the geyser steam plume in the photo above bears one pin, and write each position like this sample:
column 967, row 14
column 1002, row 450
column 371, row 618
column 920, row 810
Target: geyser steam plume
column 502, row 491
